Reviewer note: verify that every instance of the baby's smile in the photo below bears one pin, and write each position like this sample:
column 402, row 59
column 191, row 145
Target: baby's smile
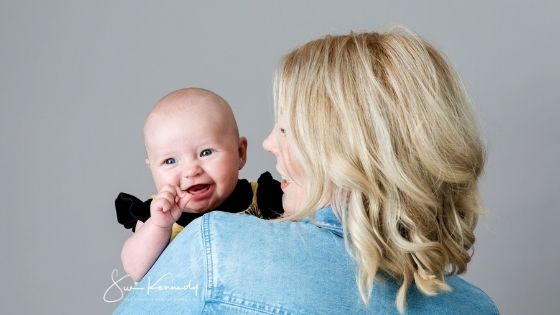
column 195, row 189
column 200, row 191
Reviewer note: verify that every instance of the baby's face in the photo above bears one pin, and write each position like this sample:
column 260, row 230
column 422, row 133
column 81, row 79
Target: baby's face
column 195, row 151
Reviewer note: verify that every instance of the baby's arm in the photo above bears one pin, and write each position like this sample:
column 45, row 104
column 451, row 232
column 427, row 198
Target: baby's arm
column 143, row 248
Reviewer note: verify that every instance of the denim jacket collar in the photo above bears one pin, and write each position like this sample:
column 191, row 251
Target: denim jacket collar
column 325, row 218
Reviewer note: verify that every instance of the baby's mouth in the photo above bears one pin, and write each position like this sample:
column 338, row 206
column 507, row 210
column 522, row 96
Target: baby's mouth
column 197, row 189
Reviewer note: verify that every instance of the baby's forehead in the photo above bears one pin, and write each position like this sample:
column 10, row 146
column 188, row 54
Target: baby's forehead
column 194, row 111
column 165, row 138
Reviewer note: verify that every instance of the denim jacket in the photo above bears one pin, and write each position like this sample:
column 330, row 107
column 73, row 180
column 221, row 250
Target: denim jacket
column 225, row 263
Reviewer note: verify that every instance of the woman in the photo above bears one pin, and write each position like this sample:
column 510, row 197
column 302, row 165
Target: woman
column 379, row 157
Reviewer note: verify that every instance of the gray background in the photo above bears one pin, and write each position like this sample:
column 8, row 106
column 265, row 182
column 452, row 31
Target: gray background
column 77, row 79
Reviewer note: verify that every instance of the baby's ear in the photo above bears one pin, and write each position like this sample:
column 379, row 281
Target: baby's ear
column 242, row 149
column 147, row 162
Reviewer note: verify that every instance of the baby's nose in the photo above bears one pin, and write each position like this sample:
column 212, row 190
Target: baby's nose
column 192, row 170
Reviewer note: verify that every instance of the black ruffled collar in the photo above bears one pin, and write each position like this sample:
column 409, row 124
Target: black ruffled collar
column 269, row 199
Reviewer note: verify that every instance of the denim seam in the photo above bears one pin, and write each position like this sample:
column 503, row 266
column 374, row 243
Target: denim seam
column 274, row 309
column 205, row 226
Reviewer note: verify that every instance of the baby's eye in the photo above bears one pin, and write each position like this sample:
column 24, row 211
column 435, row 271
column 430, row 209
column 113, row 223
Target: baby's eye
column 206, row 152
column 169, row 161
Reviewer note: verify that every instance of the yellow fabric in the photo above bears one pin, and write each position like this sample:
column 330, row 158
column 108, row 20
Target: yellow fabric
column 253, row 210
column 176, row 229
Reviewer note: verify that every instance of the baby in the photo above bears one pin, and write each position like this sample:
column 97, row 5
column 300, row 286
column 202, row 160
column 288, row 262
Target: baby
column 194, row 153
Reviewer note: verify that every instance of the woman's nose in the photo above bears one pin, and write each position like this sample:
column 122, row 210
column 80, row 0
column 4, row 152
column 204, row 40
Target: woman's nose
column 269, row 143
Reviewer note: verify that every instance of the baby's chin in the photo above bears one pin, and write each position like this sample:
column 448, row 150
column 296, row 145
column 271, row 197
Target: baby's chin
column 201, row 208
column 187, row 210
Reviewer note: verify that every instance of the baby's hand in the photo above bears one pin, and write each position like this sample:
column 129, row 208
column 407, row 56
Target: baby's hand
column 165, row 209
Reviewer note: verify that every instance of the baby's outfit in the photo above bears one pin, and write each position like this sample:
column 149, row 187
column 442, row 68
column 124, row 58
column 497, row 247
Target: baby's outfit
column 262, row 199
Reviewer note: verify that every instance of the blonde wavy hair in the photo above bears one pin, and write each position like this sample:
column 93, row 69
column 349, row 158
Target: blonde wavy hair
column 382, row 126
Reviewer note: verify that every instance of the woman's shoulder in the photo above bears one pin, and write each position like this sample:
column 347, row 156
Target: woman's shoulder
column 276, row 265
column 478, row 299
column 302, row 267
column 247, row 230
column 240, row 230
column 463, row 298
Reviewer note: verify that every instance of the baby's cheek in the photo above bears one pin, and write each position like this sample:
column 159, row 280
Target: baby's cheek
column 227, row 186
column 166, row 179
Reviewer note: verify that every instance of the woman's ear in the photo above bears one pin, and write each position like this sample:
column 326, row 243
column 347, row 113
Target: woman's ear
column 242, row 151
